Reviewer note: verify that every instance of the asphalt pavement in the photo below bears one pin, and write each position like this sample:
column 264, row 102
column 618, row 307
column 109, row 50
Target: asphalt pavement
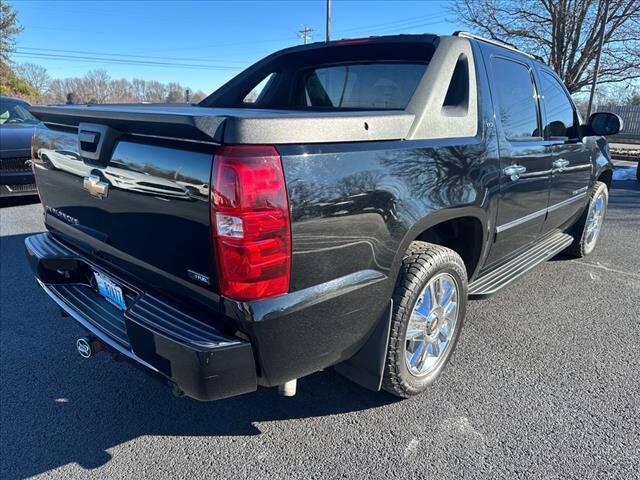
column 545, row 383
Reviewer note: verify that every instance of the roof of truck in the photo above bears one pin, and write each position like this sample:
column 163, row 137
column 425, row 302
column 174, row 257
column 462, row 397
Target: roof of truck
column 420, row 37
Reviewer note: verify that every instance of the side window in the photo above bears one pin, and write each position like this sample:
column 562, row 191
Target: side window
column 517, row 104
column 561, row 118
column 373, row 85
column 255, row 94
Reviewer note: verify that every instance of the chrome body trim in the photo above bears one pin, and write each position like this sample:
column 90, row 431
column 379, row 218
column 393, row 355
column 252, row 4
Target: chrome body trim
column 544, row 211
column 566, row 202
column 521, row 220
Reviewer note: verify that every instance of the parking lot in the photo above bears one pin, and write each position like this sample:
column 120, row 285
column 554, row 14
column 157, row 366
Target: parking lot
column 544, row 384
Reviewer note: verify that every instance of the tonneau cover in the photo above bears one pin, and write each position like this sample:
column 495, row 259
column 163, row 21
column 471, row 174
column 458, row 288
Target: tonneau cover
column 235, row 125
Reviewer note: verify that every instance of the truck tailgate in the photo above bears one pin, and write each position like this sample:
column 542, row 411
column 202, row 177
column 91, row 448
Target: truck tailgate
column 144, row 209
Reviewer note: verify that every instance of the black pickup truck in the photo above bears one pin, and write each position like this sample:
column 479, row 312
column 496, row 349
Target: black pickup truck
column 334, row 205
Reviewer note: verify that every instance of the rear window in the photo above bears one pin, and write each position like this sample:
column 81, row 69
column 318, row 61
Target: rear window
column 360, row 75
column 369, row 86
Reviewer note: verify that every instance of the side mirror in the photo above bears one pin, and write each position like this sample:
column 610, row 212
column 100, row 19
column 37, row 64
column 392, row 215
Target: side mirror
column 604, row 123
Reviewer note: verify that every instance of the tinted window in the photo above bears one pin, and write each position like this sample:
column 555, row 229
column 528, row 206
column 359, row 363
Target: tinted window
column 517, row 105
column 12, row 112
column 558, row 106
column 256, row 93
column 385, row 86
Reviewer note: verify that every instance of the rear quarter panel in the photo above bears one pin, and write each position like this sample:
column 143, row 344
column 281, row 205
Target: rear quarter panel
column 357, row 206
column 354, row 209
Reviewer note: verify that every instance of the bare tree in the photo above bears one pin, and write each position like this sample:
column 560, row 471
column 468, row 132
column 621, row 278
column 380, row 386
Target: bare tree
column 175, row 93
column 198, row 96
column 121, row 91
column 156, row 92
column 97, row 87
column 36, row 75
column 565, row 33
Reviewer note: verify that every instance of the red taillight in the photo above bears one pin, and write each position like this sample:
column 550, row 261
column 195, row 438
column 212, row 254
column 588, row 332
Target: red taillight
column 250, row 222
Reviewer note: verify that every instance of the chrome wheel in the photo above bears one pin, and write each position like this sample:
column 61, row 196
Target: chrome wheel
column 595, row 218
column 431, row 325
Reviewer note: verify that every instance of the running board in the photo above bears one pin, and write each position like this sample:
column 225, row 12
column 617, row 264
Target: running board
column 492, row 281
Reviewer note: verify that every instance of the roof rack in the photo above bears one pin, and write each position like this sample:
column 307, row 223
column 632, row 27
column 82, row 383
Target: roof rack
column 499, row 43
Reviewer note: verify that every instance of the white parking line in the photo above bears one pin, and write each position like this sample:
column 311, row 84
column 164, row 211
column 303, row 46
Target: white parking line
column 602, row 267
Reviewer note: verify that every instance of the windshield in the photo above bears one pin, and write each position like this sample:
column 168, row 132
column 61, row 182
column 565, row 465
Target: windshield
column 14, row 112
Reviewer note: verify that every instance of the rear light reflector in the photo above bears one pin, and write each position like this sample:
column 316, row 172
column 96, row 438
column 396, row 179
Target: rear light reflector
column 250, row 222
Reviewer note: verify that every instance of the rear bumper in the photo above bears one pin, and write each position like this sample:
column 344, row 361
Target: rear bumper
column 202, row 361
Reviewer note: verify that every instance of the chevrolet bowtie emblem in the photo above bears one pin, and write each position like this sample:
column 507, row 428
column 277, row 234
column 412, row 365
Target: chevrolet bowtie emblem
column 95, row 186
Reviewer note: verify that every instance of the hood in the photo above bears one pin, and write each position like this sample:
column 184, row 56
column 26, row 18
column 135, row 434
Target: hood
column 15, row 141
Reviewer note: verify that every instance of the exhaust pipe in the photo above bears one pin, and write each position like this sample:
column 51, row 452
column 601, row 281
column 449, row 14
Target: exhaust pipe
column 88, row 346
column 288, row 389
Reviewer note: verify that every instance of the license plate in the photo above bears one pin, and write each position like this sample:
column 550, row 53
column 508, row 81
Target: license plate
column 110, row 290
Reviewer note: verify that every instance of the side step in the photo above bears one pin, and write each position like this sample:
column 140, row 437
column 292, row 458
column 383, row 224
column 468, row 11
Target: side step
column 492, row 281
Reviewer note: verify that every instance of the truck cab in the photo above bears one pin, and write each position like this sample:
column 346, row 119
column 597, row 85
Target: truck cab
column 334, row 205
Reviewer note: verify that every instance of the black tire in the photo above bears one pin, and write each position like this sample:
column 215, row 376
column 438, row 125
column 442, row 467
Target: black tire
column 422, row 262
column 47, row 162
column 580, row 246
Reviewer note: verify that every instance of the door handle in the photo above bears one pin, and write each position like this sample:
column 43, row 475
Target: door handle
column 514, row 171
column 561, row 164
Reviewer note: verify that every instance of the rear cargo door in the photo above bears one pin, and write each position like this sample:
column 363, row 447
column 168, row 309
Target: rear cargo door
column 141, row 205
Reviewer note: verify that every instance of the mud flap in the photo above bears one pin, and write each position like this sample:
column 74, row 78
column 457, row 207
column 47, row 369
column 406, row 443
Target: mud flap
column 366, row 367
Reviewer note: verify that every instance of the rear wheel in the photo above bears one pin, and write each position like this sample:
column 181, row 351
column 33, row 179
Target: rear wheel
column 429, row 306
column 587, row 231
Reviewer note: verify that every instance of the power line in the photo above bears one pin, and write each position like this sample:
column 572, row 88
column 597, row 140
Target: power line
column 116, row 61
column 283, row 39
column 157, row 61
column 305, row 34
column 235, row 44
column 126, row 55
column 401, row 20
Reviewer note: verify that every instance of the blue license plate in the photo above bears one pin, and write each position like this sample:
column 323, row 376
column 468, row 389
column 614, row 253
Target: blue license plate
column 110, row 290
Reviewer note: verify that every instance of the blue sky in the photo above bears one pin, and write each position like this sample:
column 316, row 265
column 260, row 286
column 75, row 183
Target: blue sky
column 201, row 44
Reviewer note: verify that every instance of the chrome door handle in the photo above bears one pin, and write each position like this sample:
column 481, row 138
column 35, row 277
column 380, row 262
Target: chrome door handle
column 514, row 171
column 561, row 164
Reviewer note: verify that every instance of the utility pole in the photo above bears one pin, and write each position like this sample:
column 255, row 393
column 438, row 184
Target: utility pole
column 305, row 33
column 187, row 94
column 328, row 20
column 597, row 66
